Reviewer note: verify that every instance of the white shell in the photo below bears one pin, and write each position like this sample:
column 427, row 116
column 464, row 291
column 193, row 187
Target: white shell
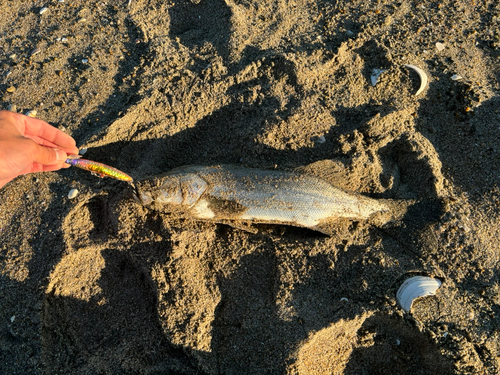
column 375, row 74
column 416, row 287
column 422, row 75
column 72, row 193
column 456, row 77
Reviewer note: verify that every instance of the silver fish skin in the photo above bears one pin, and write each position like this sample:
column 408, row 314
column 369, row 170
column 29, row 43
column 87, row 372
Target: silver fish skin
column 225, row 193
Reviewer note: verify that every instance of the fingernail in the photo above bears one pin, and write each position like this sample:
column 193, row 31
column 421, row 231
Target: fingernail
column 61, row 155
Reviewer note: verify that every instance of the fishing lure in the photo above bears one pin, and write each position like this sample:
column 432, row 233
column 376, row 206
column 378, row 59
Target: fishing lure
column 99, row 169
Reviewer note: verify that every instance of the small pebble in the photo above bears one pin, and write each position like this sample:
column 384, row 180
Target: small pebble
column 321, row 139
column 456, row 77
column 85, row 61
column 72, row 193
column 11, row 89
column 31, row 113
column 13, row 56
column 43, row 10
column 12, row 108
column 440, row 46
column 12, row 318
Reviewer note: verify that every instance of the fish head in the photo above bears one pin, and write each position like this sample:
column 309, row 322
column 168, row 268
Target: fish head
column 171, row 191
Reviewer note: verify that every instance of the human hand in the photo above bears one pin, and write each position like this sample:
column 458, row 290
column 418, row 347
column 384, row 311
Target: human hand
column 31, row 145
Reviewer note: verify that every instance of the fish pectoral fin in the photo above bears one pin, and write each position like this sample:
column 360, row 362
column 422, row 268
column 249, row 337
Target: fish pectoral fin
column 241, row 226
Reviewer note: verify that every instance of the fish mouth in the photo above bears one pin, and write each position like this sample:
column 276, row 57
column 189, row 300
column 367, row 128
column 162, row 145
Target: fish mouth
column 140, row 196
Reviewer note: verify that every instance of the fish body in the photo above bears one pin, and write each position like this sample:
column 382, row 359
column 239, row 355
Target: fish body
column 99, row 169
column 225, row 193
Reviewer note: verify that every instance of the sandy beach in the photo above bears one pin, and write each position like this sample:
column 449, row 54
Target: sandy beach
column 100, row 284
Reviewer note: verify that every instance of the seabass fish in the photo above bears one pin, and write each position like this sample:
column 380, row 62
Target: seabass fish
column 225, row 193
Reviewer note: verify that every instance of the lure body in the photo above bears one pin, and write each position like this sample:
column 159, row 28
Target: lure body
column 228, row 193
column 99, row 169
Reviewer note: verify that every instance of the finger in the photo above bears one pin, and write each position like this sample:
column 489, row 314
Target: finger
column 47, row 155
column 37, row 167
column 39, row 129
column 43, row 142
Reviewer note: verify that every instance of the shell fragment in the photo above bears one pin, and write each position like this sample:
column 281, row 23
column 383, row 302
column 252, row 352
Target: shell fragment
column 422, row 75
column 416, row 287
column 375, row 74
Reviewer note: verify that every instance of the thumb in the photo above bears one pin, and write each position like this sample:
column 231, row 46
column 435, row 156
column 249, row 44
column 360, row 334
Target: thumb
column 47, row 155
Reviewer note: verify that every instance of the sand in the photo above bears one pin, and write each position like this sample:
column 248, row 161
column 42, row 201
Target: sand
column 100, row 284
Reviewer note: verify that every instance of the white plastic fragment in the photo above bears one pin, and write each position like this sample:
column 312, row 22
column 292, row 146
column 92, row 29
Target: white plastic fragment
column 416, row 287
column 440, row 46
column 456, row 77
column 422, row 75
column 72, row 193
column 375, row 74
column 83, row 151
column 43, row 10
